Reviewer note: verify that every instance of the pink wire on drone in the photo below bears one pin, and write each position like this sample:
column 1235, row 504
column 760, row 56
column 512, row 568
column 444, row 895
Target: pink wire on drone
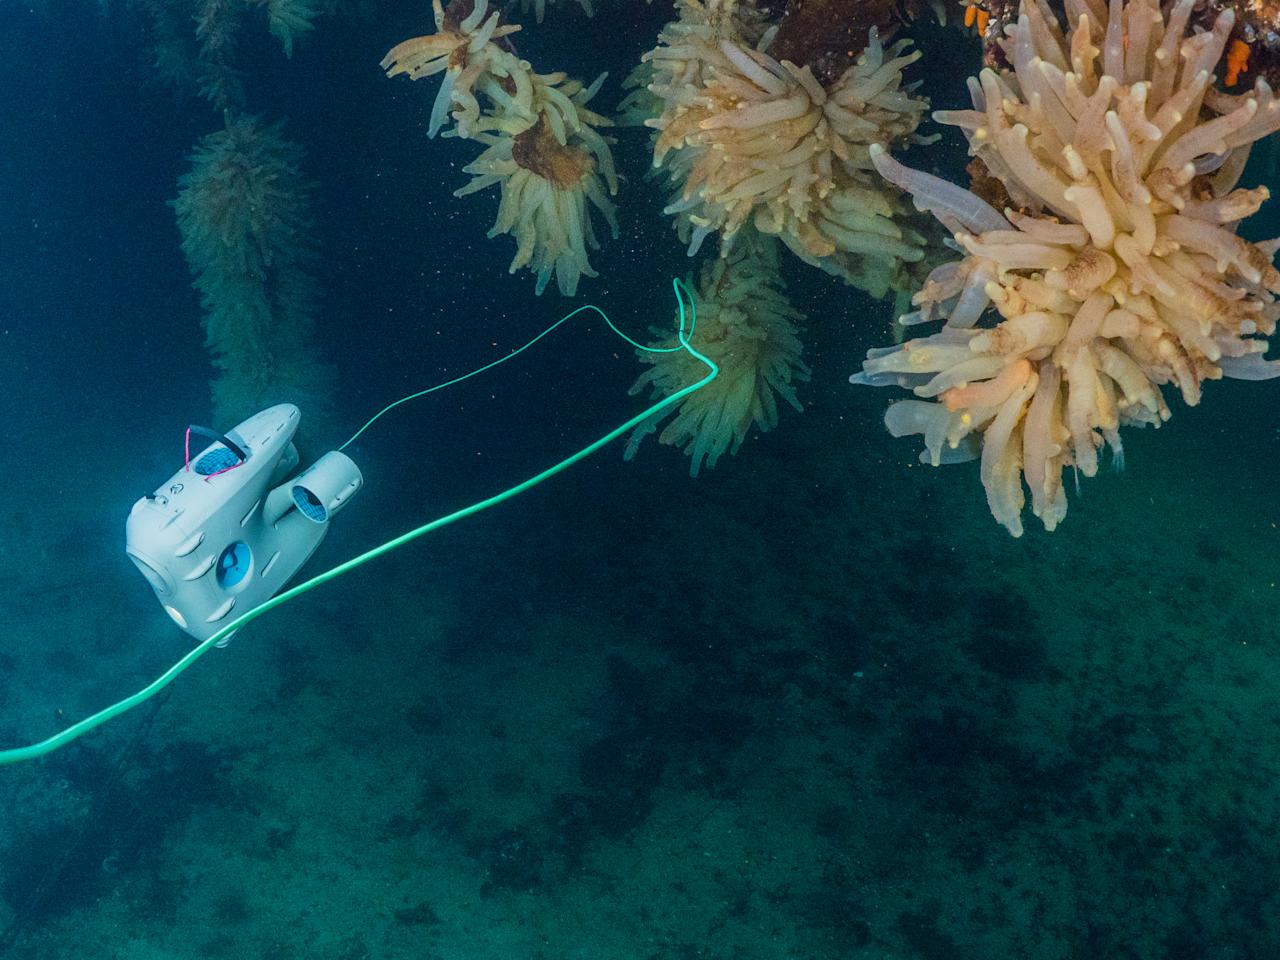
column 186, row 457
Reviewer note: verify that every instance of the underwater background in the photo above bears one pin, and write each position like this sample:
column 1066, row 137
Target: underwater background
column 812, row 704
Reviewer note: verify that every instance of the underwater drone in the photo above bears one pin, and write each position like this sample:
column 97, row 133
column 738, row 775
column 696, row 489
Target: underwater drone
column 221, row 538
column 229, row 528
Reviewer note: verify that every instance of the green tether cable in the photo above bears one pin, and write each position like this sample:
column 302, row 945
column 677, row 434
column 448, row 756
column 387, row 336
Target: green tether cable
column 128, row 703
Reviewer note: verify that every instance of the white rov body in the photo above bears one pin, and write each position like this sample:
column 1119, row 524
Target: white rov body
column 227, row 531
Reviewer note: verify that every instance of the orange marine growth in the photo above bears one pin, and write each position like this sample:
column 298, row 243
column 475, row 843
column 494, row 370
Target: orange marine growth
column 976, row 15
column 1237, row 60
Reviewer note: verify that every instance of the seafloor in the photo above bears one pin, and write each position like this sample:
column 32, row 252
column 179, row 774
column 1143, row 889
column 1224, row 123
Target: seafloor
column 802, row 708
